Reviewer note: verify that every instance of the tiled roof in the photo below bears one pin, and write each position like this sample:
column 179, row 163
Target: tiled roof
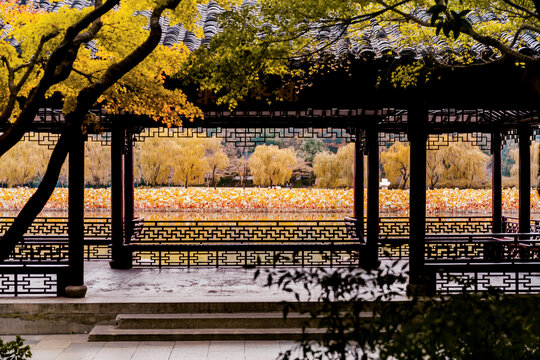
column 375, row 41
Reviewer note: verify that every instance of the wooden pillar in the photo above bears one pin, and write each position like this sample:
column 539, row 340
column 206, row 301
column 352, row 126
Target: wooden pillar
column 496, row 182
column 129, row 196
column 369, row 257
column 75, row 283
column 419, row 282
column 359, row 181
column 119, row 260
column 524, row 179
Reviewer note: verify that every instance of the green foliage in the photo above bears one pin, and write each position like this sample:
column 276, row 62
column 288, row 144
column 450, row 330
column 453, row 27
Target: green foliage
column 364, row 319
column 448, row 20
column 14, row 350
column 310, row 148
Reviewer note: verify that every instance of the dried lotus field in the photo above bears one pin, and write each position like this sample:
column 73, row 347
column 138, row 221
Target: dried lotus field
column 255, row 200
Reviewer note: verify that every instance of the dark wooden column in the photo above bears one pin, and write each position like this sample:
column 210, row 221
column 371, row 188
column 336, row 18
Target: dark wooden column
column 75, row 284
column 496, row 182
column 359, row 181
column 119, row 259
column 369, row 256
column 129, row 196
column 524, row 178
column 420, row 281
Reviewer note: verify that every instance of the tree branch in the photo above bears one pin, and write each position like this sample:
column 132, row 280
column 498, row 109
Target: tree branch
column 86, row 98
column 37, row 201
column 520, row 30
column 14, row 89
column 484, row 39
column 88, row 77
column 522, row 8
column 58, row 69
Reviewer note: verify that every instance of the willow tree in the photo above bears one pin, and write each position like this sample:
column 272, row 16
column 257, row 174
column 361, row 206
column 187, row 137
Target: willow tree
column 335, row 170
column 396, row 164
column 108, row 55
column 189, row 162
column 271, row 165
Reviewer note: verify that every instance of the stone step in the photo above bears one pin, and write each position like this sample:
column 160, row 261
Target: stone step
column 111, row 333
column 213, row 321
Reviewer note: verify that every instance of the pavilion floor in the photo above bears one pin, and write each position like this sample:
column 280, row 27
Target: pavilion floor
column 142, row 290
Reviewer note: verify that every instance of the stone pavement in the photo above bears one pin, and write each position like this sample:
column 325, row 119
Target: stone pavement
column 76, row 347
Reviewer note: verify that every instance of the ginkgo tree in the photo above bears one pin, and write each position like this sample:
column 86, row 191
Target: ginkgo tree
column 107, row 55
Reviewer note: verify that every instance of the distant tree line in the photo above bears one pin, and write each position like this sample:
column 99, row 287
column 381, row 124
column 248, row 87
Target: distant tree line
column 290, row 162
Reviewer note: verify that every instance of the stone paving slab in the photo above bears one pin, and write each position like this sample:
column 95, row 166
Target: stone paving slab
column 198, row 285
column 76, row 347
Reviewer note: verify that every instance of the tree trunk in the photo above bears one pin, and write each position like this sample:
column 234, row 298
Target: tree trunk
column 38, row 200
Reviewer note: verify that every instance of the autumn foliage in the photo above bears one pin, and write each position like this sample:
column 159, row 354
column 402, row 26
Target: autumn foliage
column 263, row 199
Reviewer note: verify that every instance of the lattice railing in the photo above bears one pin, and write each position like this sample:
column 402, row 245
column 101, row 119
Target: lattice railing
column 249, row 243
column 517, row 282
column 511, row 225
column 46, row 240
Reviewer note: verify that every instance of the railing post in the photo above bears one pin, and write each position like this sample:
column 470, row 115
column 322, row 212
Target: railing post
column 369, row 256
column 420, row 282
column 524, row 178
column 75, row 283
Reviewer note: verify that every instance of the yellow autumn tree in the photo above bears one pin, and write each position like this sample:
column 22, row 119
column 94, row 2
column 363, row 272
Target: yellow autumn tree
column 189, row 162
column 97, row 164
column 326, row 168
column 345, row 158
column 435, row 169
column 396, row 164
column 335, row 170
column 271, row 165
column 106, row 55
column 465, row 165
column 24, row 164
column 217, row 160
column 514, row 170
column 153, row 167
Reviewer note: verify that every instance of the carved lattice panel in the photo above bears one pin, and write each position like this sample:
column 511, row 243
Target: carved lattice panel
column 453, row 251
column 436, row 141
column 508, row 282
column 55, row 252
column 247, row 137
column 28, row 284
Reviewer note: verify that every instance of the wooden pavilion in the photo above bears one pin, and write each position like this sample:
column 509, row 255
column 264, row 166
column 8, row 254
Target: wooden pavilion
column 480, row 107
column 486, row 105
